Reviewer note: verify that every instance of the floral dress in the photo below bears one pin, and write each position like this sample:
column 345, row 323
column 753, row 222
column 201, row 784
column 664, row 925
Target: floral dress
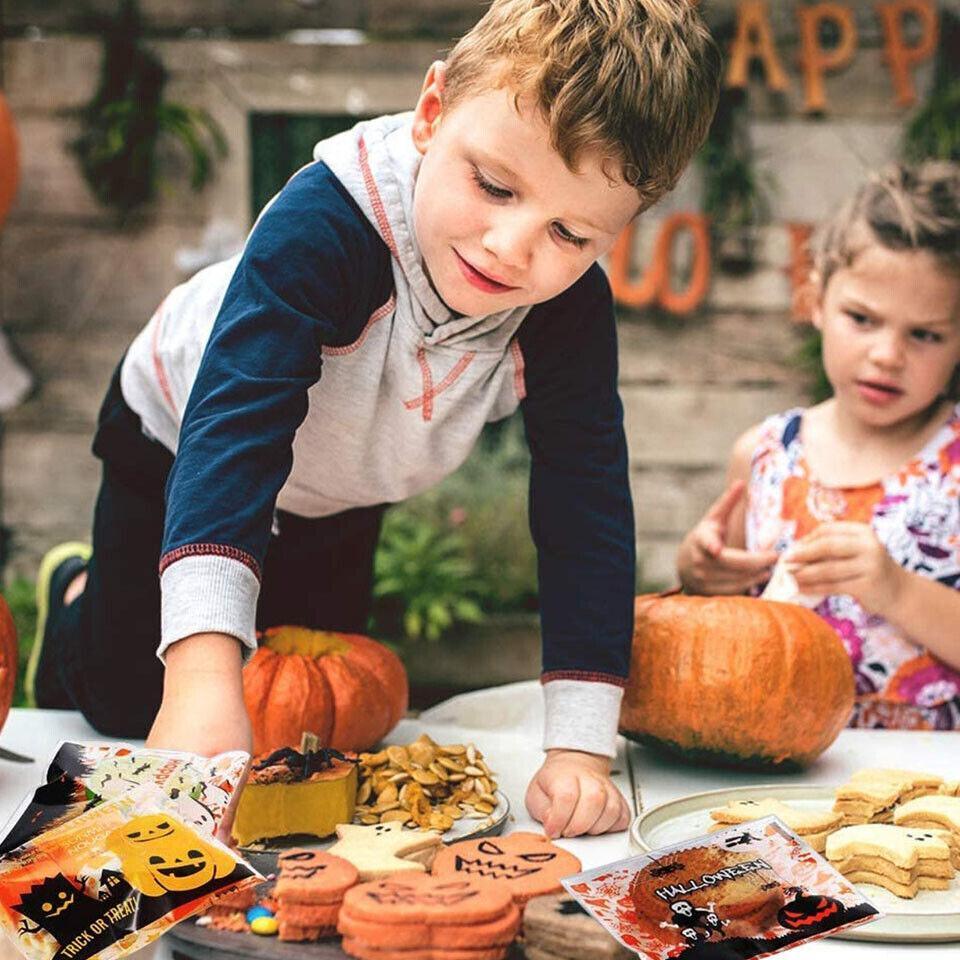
column 915, row 513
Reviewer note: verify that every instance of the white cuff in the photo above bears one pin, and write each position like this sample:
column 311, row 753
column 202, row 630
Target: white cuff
column 581, row 715
column 208, row 594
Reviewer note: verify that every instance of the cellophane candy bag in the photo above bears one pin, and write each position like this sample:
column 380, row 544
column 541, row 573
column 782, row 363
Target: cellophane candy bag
column 113, row 878
column 752, row 890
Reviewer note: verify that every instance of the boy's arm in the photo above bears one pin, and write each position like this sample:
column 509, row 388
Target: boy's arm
column 581, row 518
column 309, row 271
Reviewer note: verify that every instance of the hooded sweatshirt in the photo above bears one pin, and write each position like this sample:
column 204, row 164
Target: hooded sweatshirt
column 227, row 375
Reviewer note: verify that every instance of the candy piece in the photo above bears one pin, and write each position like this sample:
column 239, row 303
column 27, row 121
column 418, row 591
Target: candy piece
column 265, row 926
column 258, row 911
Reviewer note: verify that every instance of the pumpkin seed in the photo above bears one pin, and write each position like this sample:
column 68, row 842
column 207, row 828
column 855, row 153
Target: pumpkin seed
column 391, row 815
column 457, row 777
column 489, row 798
column 388, row 794
column 472, row 771
column 453, row 749
column 363, row 794
column 369, row 819
column 425, row 777
column 398, row 756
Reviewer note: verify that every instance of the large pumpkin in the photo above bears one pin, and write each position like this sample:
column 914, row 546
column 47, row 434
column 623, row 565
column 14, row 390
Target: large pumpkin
column 348, row 689
column 8, row 660
column 9, row 159
column 736, row 680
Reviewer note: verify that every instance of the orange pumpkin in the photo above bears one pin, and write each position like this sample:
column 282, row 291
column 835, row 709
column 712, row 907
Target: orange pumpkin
column 736, row 680
column 9, row 159
column 8, row 660
column 347, row 688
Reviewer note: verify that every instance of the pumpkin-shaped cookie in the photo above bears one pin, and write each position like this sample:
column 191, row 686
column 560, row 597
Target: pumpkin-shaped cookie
column 420, row 898
column 527, row 863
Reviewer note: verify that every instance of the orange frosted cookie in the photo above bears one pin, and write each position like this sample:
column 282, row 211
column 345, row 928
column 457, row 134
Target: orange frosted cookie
column 528, row 864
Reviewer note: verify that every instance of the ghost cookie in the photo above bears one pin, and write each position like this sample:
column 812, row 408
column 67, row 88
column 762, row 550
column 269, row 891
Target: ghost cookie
column 812, row 826
column 385, row 848
column 527, row 863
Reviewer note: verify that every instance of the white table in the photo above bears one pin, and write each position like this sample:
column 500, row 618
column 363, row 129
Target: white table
column 505, row 723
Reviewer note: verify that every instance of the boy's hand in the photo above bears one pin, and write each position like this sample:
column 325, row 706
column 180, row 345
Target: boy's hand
column 708, row 566
column 847, row 558
column 202, row 709
column 572, row 794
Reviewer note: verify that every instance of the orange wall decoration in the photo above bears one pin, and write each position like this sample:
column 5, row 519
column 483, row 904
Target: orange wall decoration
column 655, row 287
column 814, row 58
column 754, row 41
column 898, row 55
column 9, row 159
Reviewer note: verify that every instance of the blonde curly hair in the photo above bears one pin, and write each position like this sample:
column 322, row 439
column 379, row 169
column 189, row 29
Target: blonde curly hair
column 636, row 81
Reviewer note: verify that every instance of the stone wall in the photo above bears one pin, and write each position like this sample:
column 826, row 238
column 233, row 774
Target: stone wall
column 75, row 288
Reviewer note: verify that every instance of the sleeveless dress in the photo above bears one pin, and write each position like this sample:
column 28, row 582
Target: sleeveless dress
column 915, row 513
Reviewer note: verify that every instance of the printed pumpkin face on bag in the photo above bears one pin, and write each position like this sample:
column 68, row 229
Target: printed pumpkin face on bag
column 160, row 855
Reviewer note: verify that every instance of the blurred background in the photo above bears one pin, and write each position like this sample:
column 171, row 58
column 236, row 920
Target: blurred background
column 139, row 140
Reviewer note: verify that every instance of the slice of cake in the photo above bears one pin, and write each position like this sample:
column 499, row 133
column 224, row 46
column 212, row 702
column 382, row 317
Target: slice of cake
column 293, row 792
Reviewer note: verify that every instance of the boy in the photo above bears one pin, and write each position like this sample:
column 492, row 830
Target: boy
column 441, row 269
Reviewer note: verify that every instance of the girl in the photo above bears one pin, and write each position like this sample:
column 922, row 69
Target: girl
column 861, row 493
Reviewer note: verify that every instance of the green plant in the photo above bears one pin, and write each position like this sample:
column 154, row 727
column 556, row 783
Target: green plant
column 736, row 196
column 423, row 581
column 809, row 357
column 123, row 125
column 20, row 595
column 934, row 130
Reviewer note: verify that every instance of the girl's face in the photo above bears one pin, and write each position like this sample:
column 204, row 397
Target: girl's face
column 891, row 334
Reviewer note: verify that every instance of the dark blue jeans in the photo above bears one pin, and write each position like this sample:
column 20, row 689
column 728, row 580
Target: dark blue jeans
column 317, row 573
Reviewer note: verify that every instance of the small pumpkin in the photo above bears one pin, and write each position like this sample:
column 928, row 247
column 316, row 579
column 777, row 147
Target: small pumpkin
column 8, row 660
column 9, row 159
column 736, row 680
column 347, row 688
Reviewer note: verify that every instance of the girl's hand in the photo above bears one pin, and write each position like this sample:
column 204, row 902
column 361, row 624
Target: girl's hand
column 572, row 794
column 847, row 558
column 707, row 565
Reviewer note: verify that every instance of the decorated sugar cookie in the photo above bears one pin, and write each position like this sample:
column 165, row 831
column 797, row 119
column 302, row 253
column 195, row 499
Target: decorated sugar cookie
column 528, row 863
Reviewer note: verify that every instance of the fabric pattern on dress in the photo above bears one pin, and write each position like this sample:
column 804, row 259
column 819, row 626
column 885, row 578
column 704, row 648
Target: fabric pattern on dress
column 915, row 513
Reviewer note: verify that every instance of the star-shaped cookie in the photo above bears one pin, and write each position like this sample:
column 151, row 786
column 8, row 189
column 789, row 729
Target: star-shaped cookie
column 385, row 848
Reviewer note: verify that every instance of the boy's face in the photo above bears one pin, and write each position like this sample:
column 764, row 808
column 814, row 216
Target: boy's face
column 500, row 219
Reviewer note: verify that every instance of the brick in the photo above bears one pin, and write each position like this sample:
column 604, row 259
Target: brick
column 49, row 480
column 716, row 348
column 71, row 374
column 50, row 75
column 818, row 165
column 695, row 426
column 67, row 277
column 668, row 501
column 443, row 18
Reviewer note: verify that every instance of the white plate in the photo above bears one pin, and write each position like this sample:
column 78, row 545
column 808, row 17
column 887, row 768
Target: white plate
column 932, row 916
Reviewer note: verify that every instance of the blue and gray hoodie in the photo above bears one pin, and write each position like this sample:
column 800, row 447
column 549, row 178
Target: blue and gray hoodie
column 318, row 371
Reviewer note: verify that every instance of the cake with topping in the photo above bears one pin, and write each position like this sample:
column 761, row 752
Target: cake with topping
column 304, row 792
